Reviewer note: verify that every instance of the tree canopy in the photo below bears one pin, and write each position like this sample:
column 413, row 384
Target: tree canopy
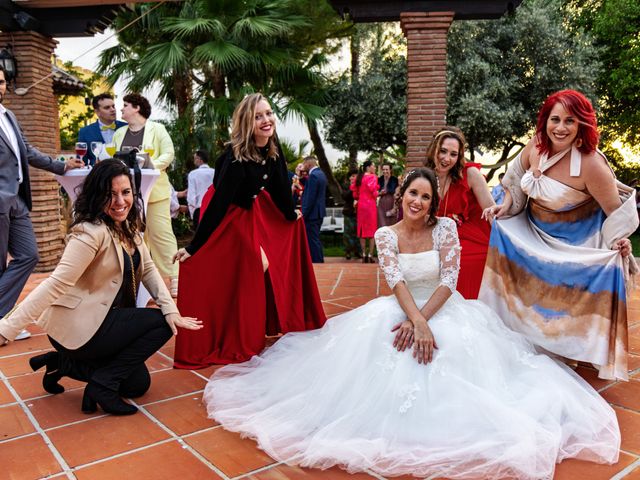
column 615, row 25
column 500, row 71
column 205, row 55
column 368, row 112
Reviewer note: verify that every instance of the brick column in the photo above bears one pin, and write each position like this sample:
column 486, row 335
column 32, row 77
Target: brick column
column 37, row 112
column 427, row 79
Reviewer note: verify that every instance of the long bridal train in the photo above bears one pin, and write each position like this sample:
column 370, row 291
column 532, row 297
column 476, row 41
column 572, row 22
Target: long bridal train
column 487, row 406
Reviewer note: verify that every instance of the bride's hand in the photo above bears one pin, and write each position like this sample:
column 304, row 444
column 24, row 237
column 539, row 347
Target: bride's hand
column 424, row 343
column 404, row 335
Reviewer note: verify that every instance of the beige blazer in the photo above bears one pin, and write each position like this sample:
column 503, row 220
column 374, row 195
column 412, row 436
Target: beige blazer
column 73, row 302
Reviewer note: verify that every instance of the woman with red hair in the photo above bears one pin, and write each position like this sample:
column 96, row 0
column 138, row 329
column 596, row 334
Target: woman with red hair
column 559, row 256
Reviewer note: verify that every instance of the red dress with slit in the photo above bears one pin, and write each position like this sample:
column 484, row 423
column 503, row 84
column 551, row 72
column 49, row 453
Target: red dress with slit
column 223, row 283
column 460, row 204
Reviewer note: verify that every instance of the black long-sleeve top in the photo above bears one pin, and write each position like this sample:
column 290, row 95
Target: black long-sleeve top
column 239, row 183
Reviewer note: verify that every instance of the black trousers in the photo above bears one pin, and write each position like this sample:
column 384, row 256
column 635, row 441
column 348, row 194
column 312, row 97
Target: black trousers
column 117, row 351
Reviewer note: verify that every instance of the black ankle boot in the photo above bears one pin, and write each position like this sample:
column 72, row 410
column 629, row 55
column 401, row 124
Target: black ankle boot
column 108, row 400
column 52, row 374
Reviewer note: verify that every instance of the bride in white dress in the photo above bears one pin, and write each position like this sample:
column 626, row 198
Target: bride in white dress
column 422, row 382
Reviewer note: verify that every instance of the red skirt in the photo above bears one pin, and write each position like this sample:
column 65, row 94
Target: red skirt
column 223, row 285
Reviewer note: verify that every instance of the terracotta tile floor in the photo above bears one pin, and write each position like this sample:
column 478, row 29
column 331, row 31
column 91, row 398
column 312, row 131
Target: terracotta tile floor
column 47, row 436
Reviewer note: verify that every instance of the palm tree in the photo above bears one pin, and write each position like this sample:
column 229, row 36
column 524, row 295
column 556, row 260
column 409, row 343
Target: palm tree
column 207, row 54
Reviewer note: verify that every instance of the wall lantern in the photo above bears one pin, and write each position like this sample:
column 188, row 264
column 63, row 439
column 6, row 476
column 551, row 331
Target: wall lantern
column 9, row 63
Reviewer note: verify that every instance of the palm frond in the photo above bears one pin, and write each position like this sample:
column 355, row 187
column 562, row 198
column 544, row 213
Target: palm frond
column 163, row 57
column 224, row 55
column 188, row 27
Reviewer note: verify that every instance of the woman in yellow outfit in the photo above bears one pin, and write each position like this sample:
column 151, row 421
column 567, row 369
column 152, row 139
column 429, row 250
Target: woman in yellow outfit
column 142, row 133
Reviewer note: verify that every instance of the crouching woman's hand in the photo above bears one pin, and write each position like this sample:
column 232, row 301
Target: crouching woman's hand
column 176, row 320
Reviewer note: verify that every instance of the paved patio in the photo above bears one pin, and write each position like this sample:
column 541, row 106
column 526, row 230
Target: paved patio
column 47, row 436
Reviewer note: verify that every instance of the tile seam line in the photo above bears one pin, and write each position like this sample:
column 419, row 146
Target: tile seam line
column 258, row 470
column 628, row 469
column 335, row 285
column 54, row 451
column 182, row 443
column 24, row 354
column 122, row 454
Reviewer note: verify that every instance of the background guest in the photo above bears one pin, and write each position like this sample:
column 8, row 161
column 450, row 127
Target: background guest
column 101, row 338
column 103, row 129
column 464, row 194
column 298, row 182
column 365, row 192
column 497, row 192
column 198, row 181
column 313, row 207
column 153, row 138
column 349, row 238
column 387, row 185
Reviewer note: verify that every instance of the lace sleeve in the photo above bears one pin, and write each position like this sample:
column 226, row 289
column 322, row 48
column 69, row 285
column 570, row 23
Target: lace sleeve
column 387, row 245
column 446, row 242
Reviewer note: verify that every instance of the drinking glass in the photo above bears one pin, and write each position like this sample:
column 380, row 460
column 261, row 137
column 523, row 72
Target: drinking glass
column 148, row 149
column 111, row 149
column 81, row 149
column 96, row 149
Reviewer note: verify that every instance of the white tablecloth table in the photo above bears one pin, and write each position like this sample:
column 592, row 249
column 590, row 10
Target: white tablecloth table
column 71, row 179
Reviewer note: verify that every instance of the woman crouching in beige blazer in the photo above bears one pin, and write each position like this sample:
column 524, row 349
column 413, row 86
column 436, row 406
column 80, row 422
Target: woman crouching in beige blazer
column 88, row 304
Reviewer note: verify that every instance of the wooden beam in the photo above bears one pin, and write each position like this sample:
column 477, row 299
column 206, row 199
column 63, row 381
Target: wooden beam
column 387, row 11
column 75, row 3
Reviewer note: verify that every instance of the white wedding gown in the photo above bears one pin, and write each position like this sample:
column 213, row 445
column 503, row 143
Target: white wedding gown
column 488, row 406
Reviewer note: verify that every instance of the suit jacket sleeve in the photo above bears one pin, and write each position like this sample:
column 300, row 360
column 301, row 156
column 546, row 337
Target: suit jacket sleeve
column 76, row 258
column 310, row 195
column 34, row 156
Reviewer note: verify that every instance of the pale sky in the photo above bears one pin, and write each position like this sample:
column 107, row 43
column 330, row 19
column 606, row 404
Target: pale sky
column 71, row 48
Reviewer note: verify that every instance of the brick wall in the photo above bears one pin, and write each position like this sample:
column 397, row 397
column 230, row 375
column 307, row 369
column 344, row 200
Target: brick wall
column 37, row 112
column 427, row 82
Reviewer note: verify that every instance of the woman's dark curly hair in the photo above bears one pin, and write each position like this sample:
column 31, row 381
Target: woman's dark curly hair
column 94, row 195
column 435, row 145
column 429, row 175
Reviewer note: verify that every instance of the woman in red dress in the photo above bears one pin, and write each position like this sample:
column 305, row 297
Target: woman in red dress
column 247, row 272
column 365, row 193
column 464, row 195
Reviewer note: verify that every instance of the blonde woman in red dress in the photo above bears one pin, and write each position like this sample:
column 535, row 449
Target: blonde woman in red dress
column 365, row 192
column 464, row 195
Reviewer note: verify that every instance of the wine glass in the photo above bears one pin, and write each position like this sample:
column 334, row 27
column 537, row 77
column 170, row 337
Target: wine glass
column 96, row 149
column 111, row 149
column 81, row 149
column 148, row 149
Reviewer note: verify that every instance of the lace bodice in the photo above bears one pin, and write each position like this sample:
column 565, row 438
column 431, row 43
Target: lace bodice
column 424, row 270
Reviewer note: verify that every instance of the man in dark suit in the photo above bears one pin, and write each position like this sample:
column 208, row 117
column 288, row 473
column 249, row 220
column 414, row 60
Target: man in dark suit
column 313, row 207
column 101, row 130
column 16, row 231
